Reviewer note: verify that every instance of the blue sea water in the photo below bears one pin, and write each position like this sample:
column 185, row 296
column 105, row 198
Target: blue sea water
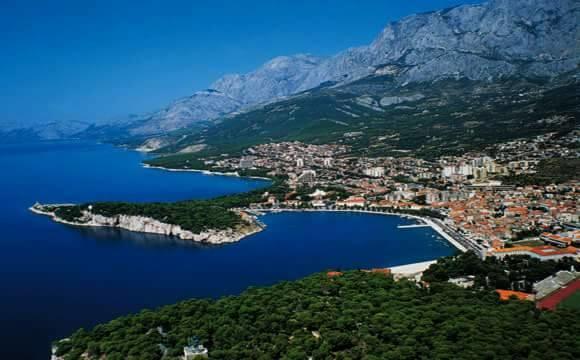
column 55, row 278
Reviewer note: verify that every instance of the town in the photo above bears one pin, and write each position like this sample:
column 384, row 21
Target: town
column 469, row 194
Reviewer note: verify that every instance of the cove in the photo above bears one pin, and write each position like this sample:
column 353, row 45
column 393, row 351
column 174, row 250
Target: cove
column 55, row 279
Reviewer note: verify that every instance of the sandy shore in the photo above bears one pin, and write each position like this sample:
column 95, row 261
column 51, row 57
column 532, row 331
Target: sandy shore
column 410, row 269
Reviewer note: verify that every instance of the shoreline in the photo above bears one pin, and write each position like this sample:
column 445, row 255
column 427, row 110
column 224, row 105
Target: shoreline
column 211, row 236
column 427, row 221
column 207, row 172
column 411, row 269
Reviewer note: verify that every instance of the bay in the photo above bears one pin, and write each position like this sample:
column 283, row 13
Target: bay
column 55, row 279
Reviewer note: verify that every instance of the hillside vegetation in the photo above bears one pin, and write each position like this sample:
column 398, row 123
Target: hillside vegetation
column 378, row 117
column 549, row 171
column 354, row 316
column 192, row 215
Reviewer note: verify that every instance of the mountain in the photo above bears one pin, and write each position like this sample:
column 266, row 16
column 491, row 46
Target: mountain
column 479, row 42
column 483, row 42
column 376, row 116
column 47, row 131
column 279, row 77
column 495, row 40
column 201, row 106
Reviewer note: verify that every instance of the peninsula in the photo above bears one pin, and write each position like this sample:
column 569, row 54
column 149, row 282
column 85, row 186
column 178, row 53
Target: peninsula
column 231, row 226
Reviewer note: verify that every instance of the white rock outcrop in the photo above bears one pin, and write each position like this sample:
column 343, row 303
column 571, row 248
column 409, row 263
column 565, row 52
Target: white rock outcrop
column 152, row 226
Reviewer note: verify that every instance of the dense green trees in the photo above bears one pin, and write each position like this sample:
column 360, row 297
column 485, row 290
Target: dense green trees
column 512, row 272
column 193, row 215
column 354, row 316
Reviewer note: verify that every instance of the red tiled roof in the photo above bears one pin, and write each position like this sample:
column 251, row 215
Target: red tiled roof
column 547, row 250
column 332, row 274
column 551, row 301
column 508, row 294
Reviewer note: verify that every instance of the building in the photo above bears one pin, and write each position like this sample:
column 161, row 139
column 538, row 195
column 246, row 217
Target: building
column 307, row 177
column 464, row 282
column 318, row 194
column 556, row 240
column 376, row 172
column 318, row 203
column 272, row 200
column 246, row 162
column 352, row 201
column 480, row 173
column 509, row 294
column 299, row 163
column 542, row 253
column 195, row 350
column 552, row 283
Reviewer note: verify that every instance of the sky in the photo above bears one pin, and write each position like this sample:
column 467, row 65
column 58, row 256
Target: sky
column 96, row 60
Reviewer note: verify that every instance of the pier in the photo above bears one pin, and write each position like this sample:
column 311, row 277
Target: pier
column 412, row 226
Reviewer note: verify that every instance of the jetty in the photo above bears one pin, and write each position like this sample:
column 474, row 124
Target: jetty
column 412, row 226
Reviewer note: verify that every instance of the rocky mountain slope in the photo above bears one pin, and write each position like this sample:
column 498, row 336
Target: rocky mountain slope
column 479, row 42
column 489, row 41
column 376, row 116
column 482, row 42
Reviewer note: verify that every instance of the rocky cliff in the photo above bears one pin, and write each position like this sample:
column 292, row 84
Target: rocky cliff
column 480, row 42
column 153, row 226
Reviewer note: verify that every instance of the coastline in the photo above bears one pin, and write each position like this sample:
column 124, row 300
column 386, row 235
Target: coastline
column 427, row 221
column 438, row 229
column 153, row 226
column 410, row 269
column 207, row 172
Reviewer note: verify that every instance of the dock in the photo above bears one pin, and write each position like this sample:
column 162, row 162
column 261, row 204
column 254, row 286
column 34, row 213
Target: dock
column 412, row 226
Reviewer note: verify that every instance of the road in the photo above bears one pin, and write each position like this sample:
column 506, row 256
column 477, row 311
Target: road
column 468, row 244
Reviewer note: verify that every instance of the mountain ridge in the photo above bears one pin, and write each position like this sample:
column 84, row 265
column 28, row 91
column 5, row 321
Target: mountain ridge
column 479, row 42
column 484, row 41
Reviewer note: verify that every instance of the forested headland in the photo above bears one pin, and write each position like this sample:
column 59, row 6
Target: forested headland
column 193, row 215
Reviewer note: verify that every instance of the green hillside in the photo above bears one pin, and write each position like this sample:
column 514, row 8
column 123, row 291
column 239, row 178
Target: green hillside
column 445, row 117
column 354, row 316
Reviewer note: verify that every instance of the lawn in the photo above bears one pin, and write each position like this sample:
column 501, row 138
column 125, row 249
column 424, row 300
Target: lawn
column 571, row 302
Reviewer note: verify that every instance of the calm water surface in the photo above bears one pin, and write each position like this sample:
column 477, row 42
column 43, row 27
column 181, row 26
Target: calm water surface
column 55, row 279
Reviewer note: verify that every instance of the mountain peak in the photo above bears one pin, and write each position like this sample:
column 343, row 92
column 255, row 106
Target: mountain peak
column 487, row 41
column 279, row 77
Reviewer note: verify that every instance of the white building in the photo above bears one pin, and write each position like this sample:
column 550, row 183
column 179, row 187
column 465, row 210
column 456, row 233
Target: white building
column 307, row 177
column 246, row 162
column 375, row 172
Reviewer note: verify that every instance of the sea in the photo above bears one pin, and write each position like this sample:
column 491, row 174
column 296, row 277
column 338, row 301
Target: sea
column 55, row 279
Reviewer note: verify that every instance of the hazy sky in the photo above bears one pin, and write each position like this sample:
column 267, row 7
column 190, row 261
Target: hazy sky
column 98, row 59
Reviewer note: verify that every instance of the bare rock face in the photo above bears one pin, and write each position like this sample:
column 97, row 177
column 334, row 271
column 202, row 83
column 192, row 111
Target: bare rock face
column 479, row 42
column 394, row 100
column 201, row 106
column 485, row 41
column 279, row 77
column 153, row 226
